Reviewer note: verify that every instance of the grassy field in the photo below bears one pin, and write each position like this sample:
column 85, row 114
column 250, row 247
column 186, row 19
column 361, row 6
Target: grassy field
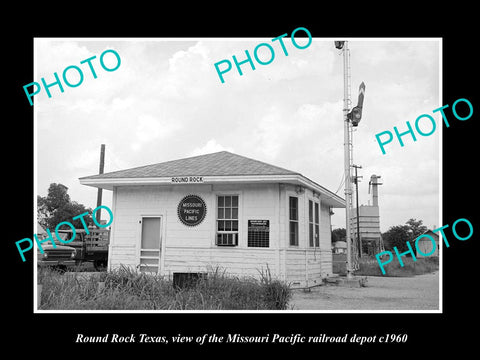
column 369, row 266
column 127, row 289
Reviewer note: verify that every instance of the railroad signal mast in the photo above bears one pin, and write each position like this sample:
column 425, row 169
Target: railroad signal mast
column 351, row 118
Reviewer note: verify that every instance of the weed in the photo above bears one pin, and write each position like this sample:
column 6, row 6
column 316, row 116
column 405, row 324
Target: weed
column 126, row 288
column 369, row 267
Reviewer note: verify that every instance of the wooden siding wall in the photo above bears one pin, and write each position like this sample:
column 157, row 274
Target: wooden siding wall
column 234, row 261
column 193, row 249
column 425, row 246
column 305, row 265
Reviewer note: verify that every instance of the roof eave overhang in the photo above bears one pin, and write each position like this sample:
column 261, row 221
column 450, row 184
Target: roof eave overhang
column 326, row 196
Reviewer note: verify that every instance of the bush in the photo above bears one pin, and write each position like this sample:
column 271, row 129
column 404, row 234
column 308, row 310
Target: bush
column 127, row 289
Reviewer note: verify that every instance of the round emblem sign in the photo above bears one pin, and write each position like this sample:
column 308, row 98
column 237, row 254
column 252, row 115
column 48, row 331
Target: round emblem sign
column 191, row 210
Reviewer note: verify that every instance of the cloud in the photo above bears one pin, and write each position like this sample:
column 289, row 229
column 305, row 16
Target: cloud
column 166, row 102
column 293, row 136
column 148, row 129
column 55, row 55
column 187, row 75
column 88, row 159
column 210, row 147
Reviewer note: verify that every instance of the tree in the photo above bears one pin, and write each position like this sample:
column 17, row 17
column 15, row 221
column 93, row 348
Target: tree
column 57, row 207
column 339, row 235
column 416, row 228
column 398, row 235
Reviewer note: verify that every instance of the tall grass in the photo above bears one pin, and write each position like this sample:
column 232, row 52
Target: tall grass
column 127, row 289
column 369, row 266
column 277, row 295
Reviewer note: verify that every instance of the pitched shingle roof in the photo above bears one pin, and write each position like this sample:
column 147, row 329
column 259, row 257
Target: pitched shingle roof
column 221, row 163
column 219, row 167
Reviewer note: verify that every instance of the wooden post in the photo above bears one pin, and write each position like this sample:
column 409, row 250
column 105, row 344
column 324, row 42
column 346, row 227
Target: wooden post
column 99, row 192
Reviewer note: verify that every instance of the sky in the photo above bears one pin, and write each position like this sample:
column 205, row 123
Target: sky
column 166, row 101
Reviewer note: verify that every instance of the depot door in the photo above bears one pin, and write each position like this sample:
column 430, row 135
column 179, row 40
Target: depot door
column 150, row 245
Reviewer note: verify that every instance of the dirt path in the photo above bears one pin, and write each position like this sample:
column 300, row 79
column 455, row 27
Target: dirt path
column 420, row 292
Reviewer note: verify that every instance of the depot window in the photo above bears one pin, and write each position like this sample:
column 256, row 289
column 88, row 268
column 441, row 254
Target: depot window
column 227, row 220
column 293, row 220
column 313, row 223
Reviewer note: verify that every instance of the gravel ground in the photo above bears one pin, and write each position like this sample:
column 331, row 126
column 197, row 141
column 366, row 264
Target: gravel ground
column 420, row 292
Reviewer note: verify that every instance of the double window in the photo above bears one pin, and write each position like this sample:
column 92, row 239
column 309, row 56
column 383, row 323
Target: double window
column 227, row 220
column 227, row 224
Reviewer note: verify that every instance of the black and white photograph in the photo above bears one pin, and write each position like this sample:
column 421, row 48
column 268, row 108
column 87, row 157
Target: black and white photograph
column 231, row 183
column 235, row 181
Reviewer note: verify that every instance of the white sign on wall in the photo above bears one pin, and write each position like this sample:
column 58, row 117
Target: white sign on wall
column 187, row 179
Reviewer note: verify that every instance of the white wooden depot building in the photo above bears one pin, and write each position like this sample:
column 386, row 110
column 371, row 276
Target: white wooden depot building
column 220, row 210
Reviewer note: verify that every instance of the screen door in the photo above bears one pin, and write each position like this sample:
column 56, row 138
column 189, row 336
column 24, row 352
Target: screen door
column 150, row 245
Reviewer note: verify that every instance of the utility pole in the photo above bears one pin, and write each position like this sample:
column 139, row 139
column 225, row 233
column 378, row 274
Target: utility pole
column 359, row 241
column 99, row 192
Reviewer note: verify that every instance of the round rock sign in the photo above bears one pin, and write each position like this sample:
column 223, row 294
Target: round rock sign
column 192, row 210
